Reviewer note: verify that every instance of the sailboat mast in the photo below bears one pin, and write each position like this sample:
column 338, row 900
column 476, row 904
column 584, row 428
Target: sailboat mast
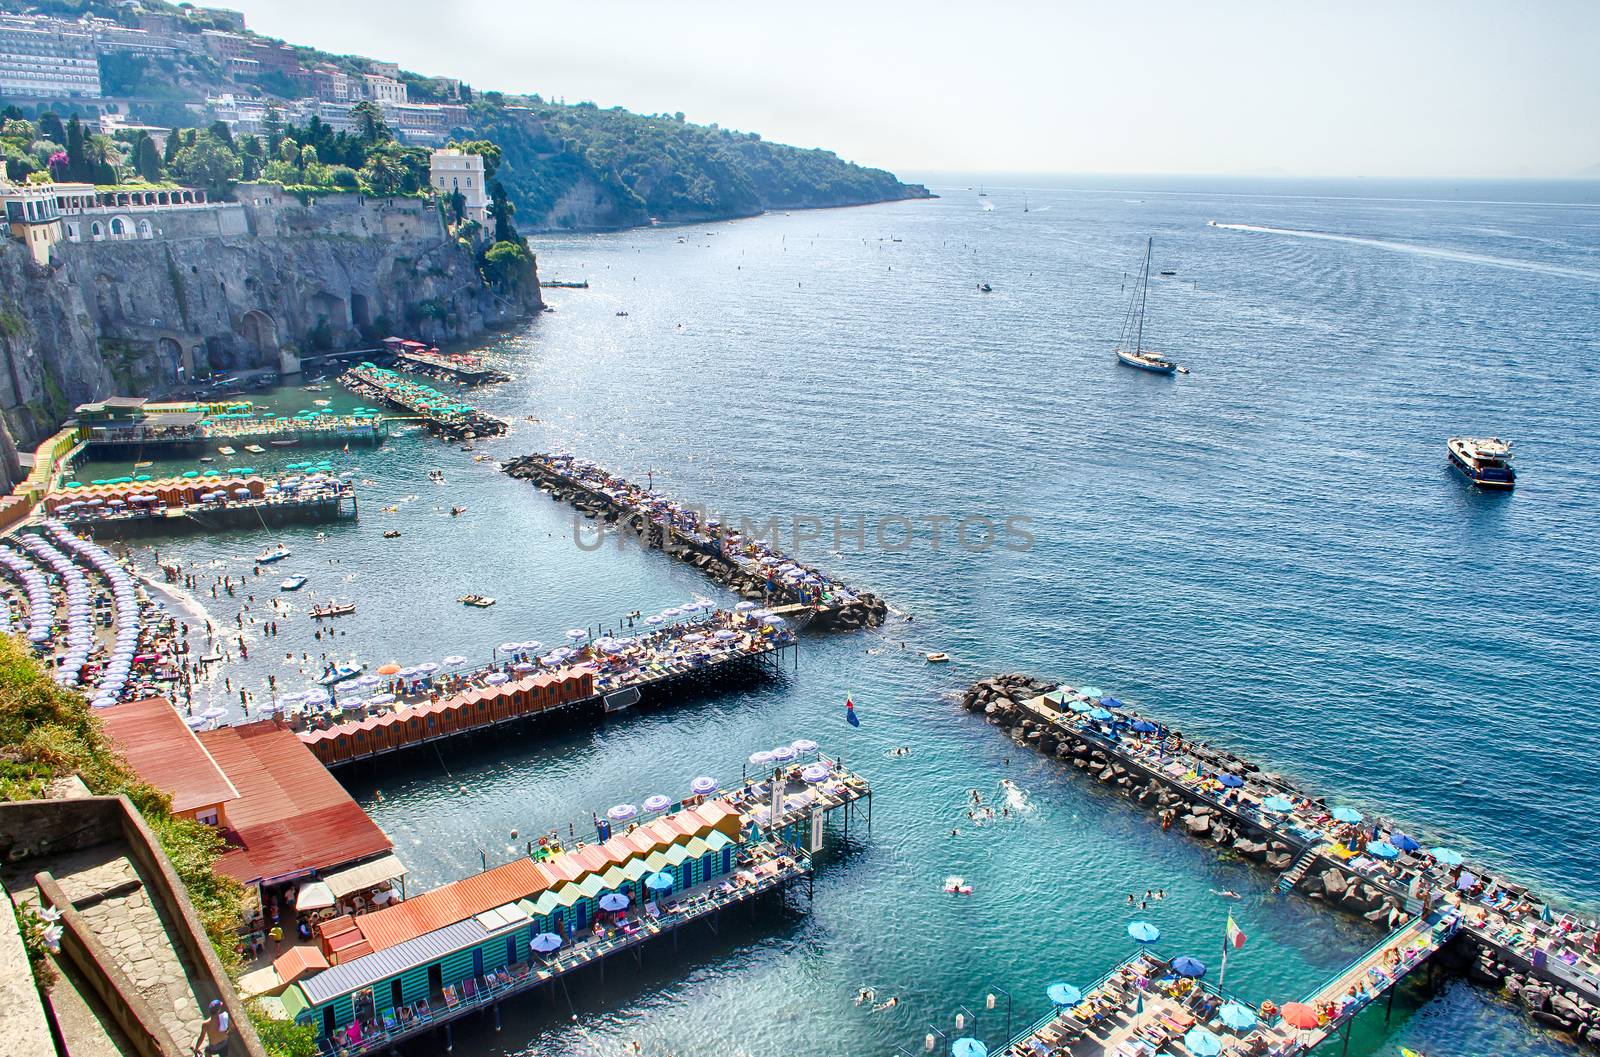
column 1138, row 341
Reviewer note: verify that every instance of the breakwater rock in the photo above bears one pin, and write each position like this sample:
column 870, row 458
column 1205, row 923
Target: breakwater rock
column 1535, row 977
column 652, row 521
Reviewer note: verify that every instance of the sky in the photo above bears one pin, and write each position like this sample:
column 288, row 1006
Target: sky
column 1331, row 88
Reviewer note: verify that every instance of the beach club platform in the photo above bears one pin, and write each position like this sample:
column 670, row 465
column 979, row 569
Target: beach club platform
column 380, row 978
column 1150, row 1004
column 521, row 691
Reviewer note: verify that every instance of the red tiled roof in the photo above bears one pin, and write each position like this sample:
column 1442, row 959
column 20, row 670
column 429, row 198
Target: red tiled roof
column 162, row 749
column 291, row 815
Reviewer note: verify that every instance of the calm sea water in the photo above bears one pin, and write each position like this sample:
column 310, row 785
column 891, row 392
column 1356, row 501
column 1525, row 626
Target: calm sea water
column 1269, row 552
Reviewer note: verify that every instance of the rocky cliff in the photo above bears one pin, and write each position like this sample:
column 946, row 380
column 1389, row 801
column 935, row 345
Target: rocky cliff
column 262, row 282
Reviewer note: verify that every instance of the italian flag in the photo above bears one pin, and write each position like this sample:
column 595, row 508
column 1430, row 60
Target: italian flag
column 1236, row 936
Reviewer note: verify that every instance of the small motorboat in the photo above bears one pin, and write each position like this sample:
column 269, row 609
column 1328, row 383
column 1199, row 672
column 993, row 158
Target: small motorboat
column 207, row 458
column 436, row 476
column 255, row 449
column 985, row 288
column 1485, row 461
column 391, row 534
column 293, row 583
column 342, row 672
column 480, row 601
column 333, row 609
column 938, row 657
column 284, row 442
column 957, row 886
column 621, row 312
column 225, row 450
column 276, row 554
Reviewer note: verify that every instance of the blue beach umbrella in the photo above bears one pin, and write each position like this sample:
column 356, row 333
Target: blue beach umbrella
column 1064, row 994
column 968, row 1047
column 1236, row 1016
column 612, row 902
column 1382, row 849
column 1404, row 842
column 1144, row 932
column 1100, row 715
column 1184, row 965
column 660, row 882
column 1144, row 726
column 1448, row 856
column 1079, row 706
column 1111, row 702
column 1202, row 1043
column 1278, row 805
column 1089, row 691
column 1347, row 814
column 545, row 942
column 1231, row 781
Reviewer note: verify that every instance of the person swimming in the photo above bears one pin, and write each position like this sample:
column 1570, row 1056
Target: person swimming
column 865, row 995
column 1226, row 893
column 889, row 1004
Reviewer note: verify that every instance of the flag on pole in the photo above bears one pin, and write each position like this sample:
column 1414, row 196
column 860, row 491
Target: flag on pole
column 1236, row 936
column 850, row 712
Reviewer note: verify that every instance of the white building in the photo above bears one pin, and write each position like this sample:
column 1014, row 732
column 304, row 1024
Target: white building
column 47, row 58
column 381, row 89
column 451, row 170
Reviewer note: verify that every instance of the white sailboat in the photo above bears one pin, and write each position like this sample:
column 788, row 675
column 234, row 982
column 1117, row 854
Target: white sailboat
column 1133, row 326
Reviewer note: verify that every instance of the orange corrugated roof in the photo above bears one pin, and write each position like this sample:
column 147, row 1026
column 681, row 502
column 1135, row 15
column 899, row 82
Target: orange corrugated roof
column 291, row 815
column 451, row 903
column 297, row 961
column 162, row 749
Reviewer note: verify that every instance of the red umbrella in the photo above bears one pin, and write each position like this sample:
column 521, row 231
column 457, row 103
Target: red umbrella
column 1299, row 1015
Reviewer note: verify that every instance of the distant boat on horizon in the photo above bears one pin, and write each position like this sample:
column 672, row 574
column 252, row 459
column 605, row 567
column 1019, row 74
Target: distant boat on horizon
column 1138, row 356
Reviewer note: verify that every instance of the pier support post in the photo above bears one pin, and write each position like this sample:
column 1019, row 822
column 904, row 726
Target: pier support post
column 496, row 1008
column 1388, row 1010
column 449, row 1039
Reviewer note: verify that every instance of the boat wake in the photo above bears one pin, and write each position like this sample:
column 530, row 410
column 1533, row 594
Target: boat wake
column 1421, row 251
column 1017, row 798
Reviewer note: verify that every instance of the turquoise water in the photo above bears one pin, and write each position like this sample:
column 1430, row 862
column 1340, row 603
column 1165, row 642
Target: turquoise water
column 1270, row 553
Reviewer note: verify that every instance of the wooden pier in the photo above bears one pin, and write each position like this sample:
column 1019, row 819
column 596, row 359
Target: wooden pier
column 1509, row 938
column 745, row 566
column 440, row 413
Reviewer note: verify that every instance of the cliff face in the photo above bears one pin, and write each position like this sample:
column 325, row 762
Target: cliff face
column 259, row 283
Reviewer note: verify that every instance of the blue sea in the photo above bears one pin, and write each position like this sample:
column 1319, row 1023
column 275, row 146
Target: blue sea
column 1269, row 552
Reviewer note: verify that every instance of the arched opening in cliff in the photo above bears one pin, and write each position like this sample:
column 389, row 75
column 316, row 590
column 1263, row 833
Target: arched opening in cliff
column 176, row 361
column 360, row 311
column 261, row 334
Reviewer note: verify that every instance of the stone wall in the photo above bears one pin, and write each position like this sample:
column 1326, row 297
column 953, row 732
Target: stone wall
column 145, row 316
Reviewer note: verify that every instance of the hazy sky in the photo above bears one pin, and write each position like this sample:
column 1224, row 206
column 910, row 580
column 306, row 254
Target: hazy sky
column 1352, row 88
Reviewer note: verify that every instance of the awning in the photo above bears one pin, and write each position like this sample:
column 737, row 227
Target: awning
column 366, row 875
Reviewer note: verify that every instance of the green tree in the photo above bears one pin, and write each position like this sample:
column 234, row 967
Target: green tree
column 485, row 149
column 50, row 127
column 174, row 141
column 78, row 168
column 206, row 163
column 221, row 130
column 501, row 207
column 147, row 160
column 20, row 129
column 250, row 158
column 368, row 119
column 384, row 173
column 272, row 128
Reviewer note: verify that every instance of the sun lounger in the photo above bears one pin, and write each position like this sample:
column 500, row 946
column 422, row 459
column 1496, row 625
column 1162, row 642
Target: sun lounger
column 451, row 999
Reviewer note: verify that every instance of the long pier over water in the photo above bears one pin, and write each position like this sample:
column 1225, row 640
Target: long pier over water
column 1544, row 958
column 750, row 566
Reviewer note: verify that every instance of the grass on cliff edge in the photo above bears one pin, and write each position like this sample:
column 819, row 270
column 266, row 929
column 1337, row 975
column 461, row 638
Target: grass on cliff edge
column 48, row 733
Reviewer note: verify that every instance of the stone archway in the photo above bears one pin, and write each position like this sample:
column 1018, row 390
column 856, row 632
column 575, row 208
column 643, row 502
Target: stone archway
column 360, row 310
column 176, row 361
column 260, row 331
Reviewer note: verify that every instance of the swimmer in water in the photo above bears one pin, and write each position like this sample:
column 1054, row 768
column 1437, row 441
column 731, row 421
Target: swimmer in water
column 1226, row 893
column 890, row 1004
column 864, row 996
